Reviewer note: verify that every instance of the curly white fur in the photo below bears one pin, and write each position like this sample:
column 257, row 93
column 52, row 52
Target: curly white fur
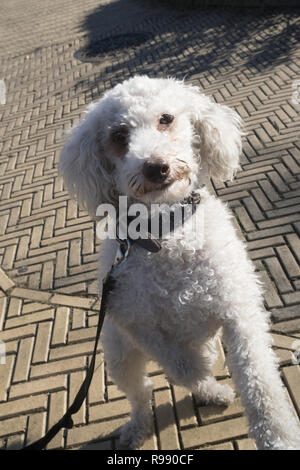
column 170, row 305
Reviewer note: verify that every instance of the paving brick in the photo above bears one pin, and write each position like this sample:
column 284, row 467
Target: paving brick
column 270, row 232
column 292, row 377
column 75, row 381
column 90, row 432
column 278, row 221
column 57, row 408
column 223, row 446
column 38, row 386
column 72, row 350
column 15, row 307
column 23, row 405
column 72, row 301
column 23, row 362
column 244, row 219
column 12, row 425
column 269, row 190
column 82, row 334
column 31, row 294
column 61, row 264
column 6, row 371
column 278, row 275
column 42, row 343
column 97, row 387
column 270, row 294
column 262, row 253
column 5, row 282
column 253, row 209
column 212, row 413
column 15, row 442
column 58, row 367
column 270, row 241
column 246, row 444
column 78, row 318
column 101, row 445
column 165, row 418
column 61, row 324
column 36, row 427
column 3, row 304
column 292, row 298
column 286, row 327
column 30, row 318
column 214, row 432
column 109, row 410
column 185, row 408
column 295, row 208
column 282, row 341
column 19, row 332
column 289, row 262
column 294, row 243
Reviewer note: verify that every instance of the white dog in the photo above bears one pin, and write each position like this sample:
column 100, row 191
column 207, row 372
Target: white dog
column 155, row 141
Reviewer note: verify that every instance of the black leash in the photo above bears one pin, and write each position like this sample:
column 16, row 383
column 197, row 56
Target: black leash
column 66, row 421
column 149, row 243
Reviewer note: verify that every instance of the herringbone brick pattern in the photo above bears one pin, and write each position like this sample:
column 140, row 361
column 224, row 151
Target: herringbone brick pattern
column 48, row 248
column 48, row 339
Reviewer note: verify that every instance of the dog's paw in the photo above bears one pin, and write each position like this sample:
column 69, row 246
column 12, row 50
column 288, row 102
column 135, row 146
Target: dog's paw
column 213, row 393
column 224, row 395
column 133, row 434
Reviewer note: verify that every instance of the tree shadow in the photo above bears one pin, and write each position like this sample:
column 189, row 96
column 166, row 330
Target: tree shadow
column 185, row 42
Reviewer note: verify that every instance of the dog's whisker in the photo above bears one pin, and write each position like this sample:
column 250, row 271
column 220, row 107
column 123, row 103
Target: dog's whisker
column 182, row 161
column 131, row 183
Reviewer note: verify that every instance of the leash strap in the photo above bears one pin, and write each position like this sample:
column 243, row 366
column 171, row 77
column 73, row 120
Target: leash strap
column 150, row 244
column 66, row 421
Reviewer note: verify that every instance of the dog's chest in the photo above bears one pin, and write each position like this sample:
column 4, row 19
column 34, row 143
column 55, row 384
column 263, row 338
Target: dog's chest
column 173, row 289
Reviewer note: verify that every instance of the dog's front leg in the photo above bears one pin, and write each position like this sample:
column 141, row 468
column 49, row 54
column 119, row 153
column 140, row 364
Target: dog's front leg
column 127, row 367
column 254, row 368
column 184, row 365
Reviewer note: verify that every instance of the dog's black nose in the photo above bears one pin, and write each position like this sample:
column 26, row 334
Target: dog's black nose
column 156, row 170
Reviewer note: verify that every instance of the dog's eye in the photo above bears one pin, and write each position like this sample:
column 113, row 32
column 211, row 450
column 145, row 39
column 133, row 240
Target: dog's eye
column 166, row 119
column 120, row 136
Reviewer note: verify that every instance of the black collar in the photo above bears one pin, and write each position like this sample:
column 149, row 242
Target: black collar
column 151, row 243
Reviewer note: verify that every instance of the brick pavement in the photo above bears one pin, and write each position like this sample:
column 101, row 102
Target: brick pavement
column 48, row 249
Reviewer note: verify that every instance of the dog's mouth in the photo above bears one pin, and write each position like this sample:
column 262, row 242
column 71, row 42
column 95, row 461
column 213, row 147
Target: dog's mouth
column 141, row 186
column 153, row 187
column 163, row 192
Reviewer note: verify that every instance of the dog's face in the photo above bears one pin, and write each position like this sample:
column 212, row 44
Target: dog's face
column 149, row 139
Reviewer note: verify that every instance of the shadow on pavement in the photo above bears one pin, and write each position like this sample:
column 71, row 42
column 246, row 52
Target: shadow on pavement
column 192, row 40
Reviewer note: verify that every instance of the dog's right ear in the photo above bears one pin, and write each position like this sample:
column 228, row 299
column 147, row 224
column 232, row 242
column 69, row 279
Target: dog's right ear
column 83, row 165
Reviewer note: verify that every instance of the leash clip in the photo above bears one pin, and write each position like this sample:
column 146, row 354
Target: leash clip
column 124, row 247
column 123, row 250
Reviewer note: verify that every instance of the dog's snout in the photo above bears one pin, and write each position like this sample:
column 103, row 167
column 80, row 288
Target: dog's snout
column 156, row 170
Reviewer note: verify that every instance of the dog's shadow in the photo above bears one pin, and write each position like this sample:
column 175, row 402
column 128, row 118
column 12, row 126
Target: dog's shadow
column 164, row 416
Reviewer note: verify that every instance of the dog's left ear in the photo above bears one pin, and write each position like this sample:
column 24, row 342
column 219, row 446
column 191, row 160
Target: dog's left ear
column 219, row 130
